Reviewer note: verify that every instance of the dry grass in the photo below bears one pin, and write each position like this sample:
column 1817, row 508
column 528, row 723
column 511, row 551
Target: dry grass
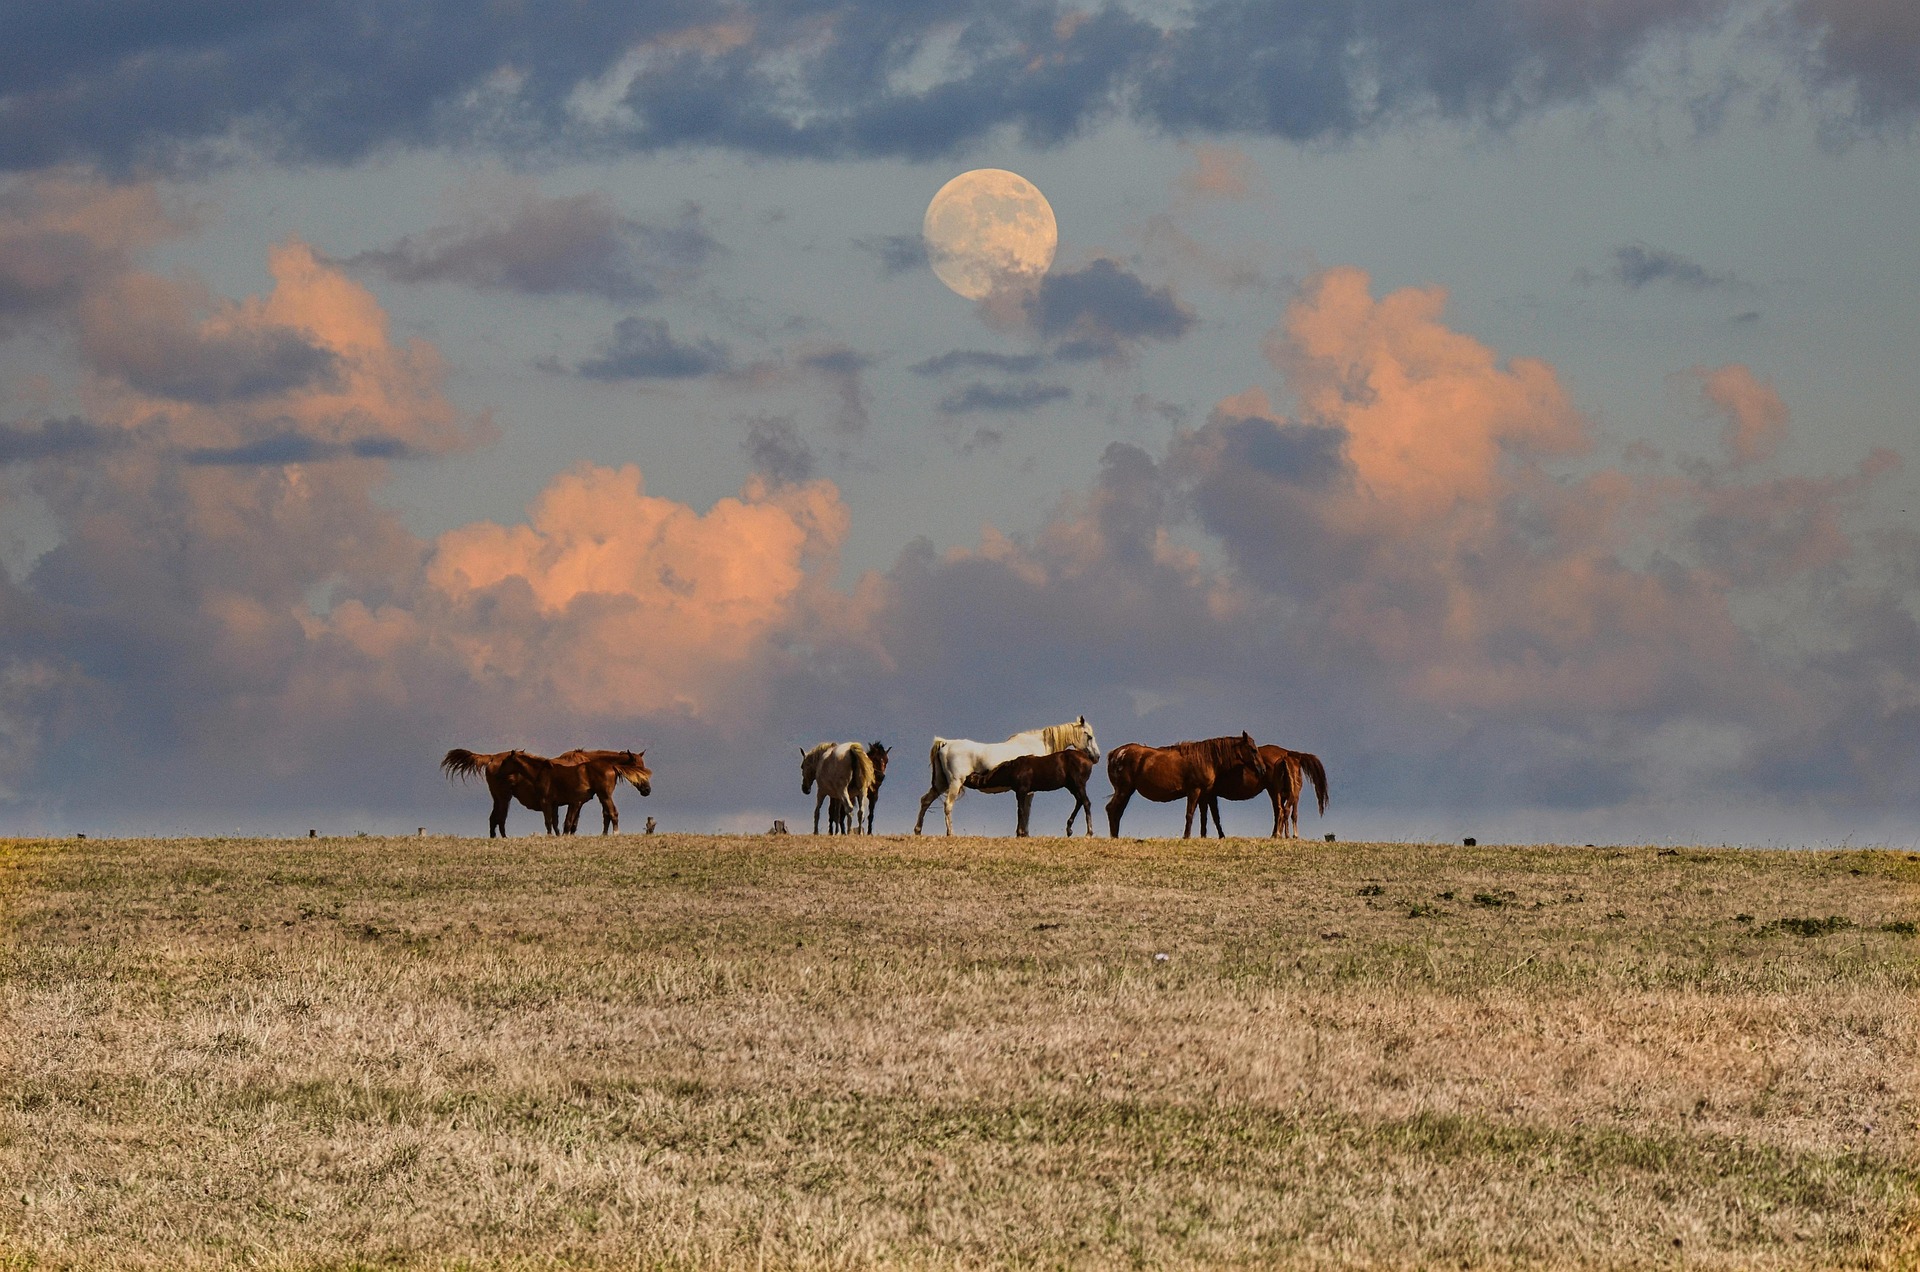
column 717, row 1052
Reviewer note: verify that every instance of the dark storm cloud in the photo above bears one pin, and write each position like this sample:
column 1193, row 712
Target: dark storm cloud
column 1098, row 311
column 979, row 360
column 540, row 246
column 1869, row 46
column 128, row 85
column 1002, row 397
column 644, row 349
column 776, row 450
column 1638, row 265
column 208, row 370
column 56, row 439
column 294, row 448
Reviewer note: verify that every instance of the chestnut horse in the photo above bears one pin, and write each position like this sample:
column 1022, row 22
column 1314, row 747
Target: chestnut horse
column 953, row 760
column 1283, row 782
column 1025, row 774
column 510, row 775
column 603, row 771
column 1185, row 769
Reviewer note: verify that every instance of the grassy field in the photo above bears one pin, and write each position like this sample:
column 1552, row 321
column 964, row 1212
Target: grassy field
column 793, row 1052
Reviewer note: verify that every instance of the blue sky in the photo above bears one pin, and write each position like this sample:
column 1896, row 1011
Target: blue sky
column 1510, row 402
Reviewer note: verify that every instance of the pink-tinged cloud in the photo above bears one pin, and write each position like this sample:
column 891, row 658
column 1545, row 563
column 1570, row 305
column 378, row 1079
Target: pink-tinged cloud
column 635, row 604
column 1754, row 418
column 1220, row 172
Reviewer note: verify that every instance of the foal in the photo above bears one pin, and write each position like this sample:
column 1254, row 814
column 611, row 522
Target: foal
column 1025, row 774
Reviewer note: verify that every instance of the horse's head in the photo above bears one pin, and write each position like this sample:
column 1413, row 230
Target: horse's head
column 1249, row 754
column 878, row 754
column 634, row 768
column 809, row 762
column 1088, row 743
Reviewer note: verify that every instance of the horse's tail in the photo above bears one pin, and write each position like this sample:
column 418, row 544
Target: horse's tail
column 862, row 783
column 1310, row 764
column 939, row 775
column 463, row 763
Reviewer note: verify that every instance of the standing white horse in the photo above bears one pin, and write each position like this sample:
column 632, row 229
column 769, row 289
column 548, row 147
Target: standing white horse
column 956, row 759
column 845, row 775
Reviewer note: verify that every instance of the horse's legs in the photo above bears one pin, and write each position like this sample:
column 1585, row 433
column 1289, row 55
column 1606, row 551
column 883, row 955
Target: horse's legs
column 609, row 815
column 819, row 798
column 953, row 793
column 1024, row 801
column 1116, row 806
column 1192, row 801
column 1213, row 801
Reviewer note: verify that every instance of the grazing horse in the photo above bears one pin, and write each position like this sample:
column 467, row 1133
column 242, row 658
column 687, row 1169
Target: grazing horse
column 954, row 760
column 844, row 773
column 1025, row 774
column 510, row 775
column 1285, row 772
column 603, row 770
column 1167, row 773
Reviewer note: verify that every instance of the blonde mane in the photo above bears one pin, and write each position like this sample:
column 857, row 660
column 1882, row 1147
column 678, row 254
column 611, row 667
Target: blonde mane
column 1061, row 737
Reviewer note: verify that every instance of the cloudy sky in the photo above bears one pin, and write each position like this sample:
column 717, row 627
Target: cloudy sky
column 1512, row 401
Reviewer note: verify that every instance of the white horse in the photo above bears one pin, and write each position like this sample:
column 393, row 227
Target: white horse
column 845, row 775
column 956, row 759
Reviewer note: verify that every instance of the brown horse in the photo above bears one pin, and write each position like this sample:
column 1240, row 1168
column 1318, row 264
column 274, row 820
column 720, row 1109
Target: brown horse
column 1025, row 774
column 603, row 771
column 1185, row 769
column 510, row 775
column 840, row 814
column 1285, row 772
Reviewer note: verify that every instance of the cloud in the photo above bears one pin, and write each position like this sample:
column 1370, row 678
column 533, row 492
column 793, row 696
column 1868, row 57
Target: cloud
column 1002, row 397
column 1103, row 310
column 842, row 369
column 1755, row 417
column 53, row 439
column 978, row 360
column 897, row 253
column 777, row 451
column 579, row 244
column 1870, row 47
column 644, row 349
column 1637, row 265
column 1219, row 172
column 62, row 235
column 113, row 88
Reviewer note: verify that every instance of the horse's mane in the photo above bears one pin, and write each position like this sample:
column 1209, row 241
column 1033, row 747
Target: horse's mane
column 1222, row 751
column 1061, row 737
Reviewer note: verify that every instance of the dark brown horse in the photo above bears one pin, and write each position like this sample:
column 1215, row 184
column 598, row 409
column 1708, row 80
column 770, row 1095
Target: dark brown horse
column 1025, row 774
column 841, row 818
column 510, row 775
column 1285, row 773
column 603, row 771
column 1187, row 770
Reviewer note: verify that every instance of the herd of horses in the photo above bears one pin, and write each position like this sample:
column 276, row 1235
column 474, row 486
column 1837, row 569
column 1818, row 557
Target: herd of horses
column 848, row 776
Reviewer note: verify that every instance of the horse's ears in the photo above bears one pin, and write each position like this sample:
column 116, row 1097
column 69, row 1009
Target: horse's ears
column 1083, row 719
column 803, row 752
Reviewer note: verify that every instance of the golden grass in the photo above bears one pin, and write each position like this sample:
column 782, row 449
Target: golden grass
column 686, row 1051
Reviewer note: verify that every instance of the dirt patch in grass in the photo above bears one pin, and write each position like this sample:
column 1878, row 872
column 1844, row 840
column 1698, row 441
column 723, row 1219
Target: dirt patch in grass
column 709, row 1052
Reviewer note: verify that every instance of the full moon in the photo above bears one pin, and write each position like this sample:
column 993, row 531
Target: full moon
column 989, row 229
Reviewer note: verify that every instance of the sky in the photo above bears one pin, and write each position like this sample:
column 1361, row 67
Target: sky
column 1512, row 402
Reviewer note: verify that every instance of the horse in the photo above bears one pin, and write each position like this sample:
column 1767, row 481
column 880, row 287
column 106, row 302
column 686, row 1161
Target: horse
column 838, row 812
column 1025, row 774
column 603, row 771
column 1285, row 771
column 844, row 773
column 510, row 776
column 878, row 754
column 953, row 760
column 1166, row 773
